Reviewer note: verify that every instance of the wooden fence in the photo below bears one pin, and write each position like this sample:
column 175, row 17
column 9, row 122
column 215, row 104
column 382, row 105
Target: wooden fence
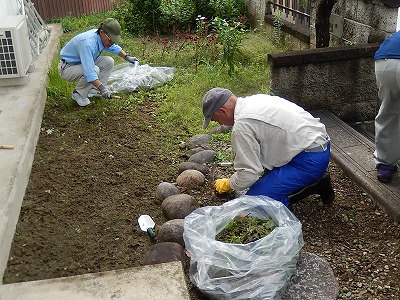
column 54, row 9
column 291, row 10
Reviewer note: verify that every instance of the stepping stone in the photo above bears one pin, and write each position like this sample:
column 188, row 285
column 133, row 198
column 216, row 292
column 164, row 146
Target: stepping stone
column 313, row 279
column 161, row 281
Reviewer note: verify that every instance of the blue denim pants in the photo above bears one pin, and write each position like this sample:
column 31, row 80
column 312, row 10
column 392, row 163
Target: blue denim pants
column 304, row 169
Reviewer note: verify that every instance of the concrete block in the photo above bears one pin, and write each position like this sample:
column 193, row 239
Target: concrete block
column 163, row 281
column 313, row 279
column 355, row 32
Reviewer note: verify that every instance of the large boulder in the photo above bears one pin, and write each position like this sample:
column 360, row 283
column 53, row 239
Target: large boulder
column 190, row 152
column 205, row 156
column 178, row 206
column 190, row 179
column 188, row 165
column 313, row 279
column 166, row 189
column 199, row 140
column 172, row 231
column 165, row 252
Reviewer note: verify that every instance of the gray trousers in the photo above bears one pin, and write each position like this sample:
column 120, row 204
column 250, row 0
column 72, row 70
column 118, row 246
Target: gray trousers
column 387, row 121
column 102, row 65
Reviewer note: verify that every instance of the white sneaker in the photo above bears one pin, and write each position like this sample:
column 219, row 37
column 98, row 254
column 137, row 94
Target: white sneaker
column 80, row 100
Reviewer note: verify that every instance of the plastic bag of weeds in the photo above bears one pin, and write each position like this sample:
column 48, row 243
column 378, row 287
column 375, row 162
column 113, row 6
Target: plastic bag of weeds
column 127, row 77
column 257, row 270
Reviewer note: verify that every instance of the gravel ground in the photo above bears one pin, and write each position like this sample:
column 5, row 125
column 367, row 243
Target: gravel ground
column 358, row 239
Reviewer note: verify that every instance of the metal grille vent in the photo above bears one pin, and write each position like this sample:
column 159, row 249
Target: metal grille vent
column 15, row 50
column 8, row 64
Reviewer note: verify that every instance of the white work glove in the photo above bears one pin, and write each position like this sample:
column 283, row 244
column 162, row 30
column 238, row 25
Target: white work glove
column 105, row 92
column 131, row 59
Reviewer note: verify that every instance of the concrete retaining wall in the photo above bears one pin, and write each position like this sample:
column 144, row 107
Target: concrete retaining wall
column 352, row 21
column 361, row 21
column 21, row 110
column 341, row 79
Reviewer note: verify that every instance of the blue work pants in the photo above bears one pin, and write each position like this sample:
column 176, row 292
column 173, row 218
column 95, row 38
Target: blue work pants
column 304, row 169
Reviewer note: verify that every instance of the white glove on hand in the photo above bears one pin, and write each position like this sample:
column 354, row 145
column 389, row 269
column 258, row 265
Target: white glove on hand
column 131, row 59
column 105, row 92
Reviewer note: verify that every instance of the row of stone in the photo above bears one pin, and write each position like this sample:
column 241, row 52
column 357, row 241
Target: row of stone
column 176, row 206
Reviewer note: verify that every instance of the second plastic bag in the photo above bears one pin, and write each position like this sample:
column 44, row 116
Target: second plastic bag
column 127, row 77
column 257, row 270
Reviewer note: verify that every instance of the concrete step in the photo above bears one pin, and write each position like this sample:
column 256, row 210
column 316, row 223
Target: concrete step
column 353, row 153
column 162, row 281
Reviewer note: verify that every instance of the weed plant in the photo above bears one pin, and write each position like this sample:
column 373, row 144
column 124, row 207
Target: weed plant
column 230, row 35
column 245, row 229
column 278, row 34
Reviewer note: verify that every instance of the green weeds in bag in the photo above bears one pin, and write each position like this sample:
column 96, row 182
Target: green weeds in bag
column 245, row 229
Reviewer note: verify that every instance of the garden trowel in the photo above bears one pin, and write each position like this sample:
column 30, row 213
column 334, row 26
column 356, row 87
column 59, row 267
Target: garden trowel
column 147, row 224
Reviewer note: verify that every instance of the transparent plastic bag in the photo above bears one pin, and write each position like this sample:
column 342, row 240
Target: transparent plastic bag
column 127, row 77
column 257, row 270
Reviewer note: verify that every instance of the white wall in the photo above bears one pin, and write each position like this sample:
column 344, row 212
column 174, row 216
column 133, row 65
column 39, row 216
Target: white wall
column 9, row 7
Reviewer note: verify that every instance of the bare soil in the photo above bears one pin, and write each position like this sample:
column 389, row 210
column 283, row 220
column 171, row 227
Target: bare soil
column 92, row 178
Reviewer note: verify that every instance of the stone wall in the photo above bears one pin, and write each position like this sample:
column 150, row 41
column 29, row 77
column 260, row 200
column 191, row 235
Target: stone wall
column 358, row 22
column 352, row 21
column 341, row 79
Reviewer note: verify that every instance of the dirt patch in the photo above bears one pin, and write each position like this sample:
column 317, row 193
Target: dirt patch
column 92, row 179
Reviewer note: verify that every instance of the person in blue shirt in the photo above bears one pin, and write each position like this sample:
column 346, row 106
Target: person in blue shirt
column 81, row 60
column 387, row 121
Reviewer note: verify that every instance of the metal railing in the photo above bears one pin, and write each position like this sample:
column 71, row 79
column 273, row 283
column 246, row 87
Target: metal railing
column 291, row 11
column 39, row 32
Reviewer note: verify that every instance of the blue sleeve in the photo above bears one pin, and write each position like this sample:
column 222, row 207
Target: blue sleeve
column 86, row 55
column 390, row 48
column 114, row 49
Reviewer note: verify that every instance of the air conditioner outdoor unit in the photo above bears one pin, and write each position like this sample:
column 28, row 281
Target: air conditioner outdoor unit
column 15, row 51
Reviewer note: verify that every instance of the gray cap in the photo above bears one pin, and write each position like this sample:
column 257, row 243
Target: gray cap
column 212, row 101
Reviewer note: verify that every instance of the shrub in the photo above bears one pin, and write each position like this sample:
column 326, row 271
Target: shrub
column 177, row 15
column 227, row 9
column 141, row 17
